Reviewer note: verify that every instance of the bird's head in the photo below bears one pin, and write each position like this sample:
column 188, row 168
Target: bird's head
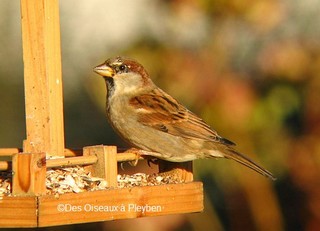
column 126, row 75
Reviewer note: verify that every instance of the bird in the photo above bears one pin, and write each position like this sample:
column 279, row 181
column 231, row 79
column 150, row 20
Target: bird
column 148, row 118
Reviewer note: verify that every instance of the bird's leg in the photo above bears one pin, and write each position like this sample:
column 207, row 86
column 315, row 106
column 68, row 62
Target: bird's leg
column 137, row 153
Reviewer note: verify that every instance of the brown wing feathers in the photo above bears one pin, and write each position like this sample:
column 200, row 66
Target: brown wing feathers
column 175, row 119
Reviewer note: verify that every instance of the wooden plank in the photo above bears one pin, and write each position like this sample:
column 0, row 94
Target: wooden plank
column 18, row 212
column 106, row 167
column 68, row 152
column 180, row 170
column 120, row 204
column 73, row 152
column 59, row 162
column 29, row 174
column 128, row 156
column 42, row 77
column 9, row 151
column 5, row 165
column 71, row 161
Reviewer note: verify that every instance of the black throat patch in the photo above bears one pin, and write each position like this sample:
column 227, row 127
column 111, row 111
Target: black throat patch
column 110, row 87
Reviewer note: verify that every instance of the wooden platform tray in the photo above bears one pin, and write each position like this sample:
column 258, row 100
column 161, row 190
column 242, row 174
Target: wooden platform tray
column 101, row 205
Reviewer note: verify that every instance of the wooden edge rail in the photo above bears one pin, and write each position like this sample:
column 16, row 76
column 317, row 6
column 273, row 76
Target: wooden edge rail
column 5, row 165
column 72, row 152
column 67, row 152
column 72, row 158
column 71, row 161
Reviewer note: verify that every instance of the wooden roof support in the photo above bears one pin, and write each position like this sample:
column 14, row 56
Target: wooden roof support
column 42, row 77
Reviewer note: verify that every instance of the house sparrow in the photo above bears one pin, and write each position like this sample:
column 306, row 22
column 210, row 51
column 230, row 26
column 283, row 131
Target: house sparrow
column 149, row 119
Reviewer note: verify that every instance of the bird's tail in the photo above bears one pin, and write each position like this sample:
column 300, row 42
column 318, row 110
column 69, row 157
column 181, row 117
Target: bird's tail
column 240, row 158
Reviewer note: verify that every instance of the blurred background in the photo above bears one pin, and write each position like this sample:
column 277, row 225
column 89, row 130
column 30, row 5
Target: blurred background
column 250, row 68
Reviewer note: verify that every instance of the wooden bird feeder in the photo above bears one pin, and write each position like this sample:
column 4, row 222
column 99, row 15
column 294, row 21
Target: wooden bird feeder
column 29, row 204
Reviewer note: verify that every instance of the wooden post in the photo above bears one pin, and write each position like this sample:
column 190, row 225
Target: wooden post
column 29, row 174
column 106, row 167
column 42, row 77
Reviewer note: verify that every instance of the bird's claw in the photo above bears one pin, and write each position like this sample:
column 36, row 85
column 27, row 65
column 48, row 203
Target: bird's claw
column 135, row 161
column 137, row 153
column 152, row 161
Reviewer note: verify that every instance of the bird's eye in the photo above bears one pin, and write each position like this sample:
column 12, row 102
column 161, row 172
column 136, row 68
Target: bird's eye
column 122, row 68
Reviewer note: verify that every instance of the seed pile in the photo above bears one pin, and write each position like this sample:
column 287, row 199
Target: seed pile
column 77, row 179
column 5, row 183
column 73, row 179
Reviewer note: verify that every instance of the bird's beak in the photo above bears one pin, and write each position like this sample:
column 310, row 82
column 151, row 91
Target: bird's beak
column 104, row 70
